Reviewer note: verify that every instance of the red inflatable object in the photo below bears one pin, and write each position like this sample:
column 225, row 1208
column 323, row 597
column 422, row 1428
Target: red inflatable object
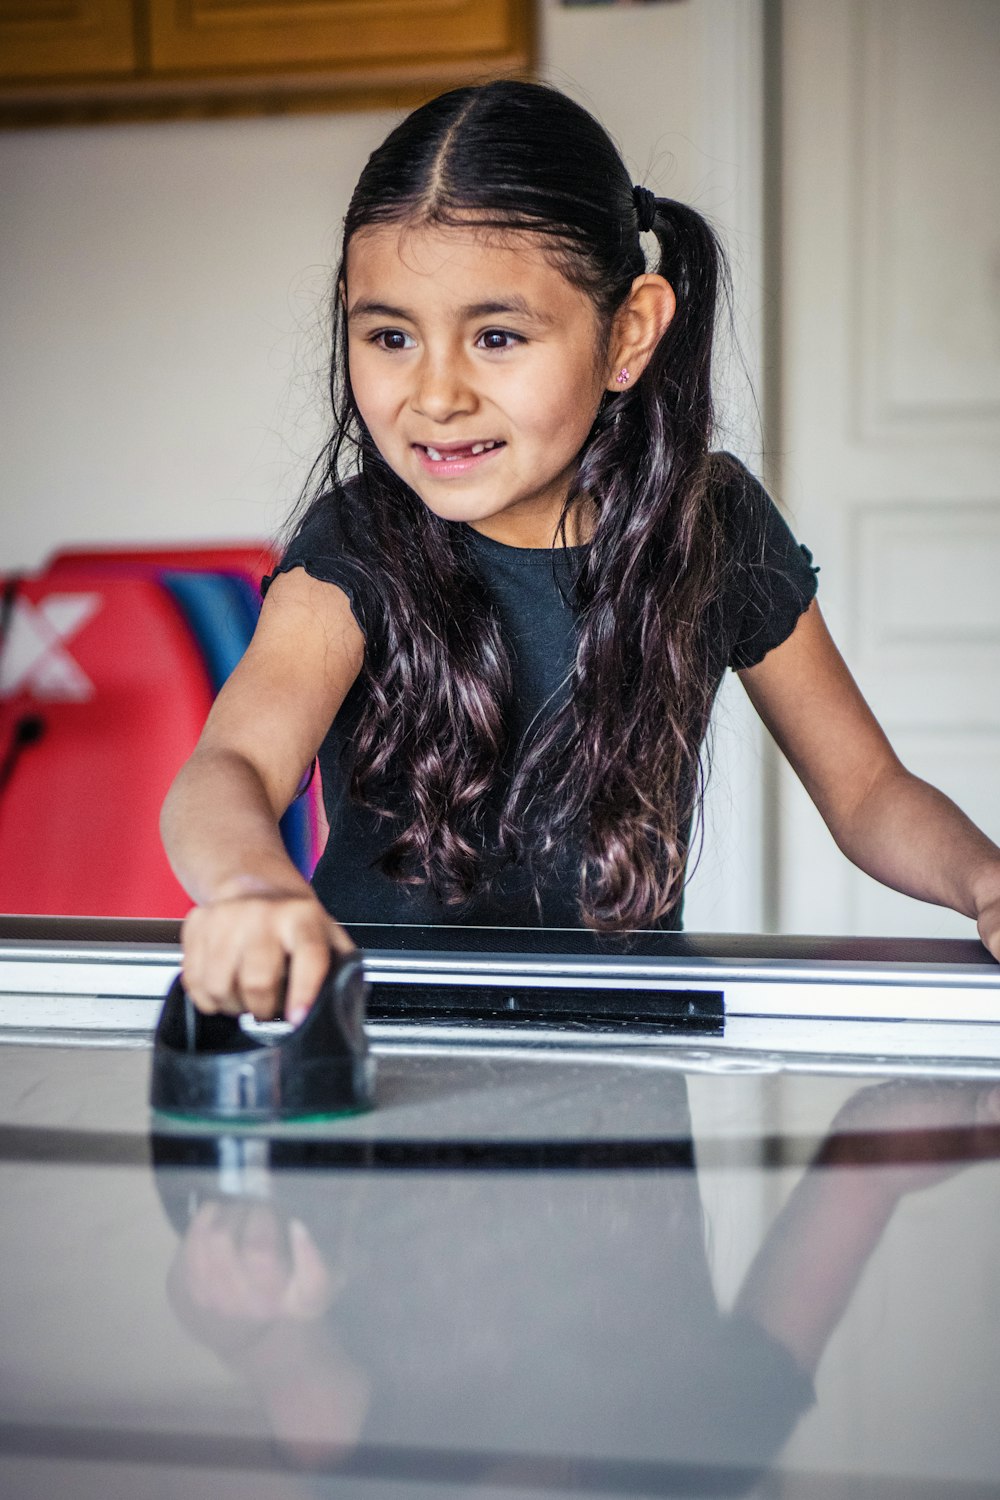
column 103, row 693
column 252, row 559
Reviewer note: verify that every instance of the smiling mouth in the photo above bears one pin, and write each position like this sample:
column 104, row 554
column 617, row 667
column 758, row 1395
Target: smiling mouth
column 454, row 452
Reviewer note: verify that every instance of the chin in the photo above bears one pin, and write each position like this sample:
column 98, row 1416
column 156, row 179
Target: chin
column 455, row 509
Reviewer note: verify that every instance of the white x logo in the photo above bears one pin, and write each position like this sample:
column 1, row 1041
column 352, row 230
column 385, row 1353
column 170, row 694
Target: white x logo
column 33, row 654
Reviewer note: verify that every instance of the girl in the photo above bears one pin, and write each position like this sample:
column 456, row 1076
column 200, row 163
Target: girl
column 503, row 619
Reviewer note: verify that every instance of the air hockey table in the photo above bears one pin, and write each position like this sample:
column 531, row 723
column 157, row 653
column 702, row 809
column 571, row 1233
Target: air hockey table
column 669, row 1216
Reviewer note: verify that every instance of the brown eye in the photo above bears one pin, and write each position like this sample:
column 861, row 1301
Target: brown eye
column 392, row 339
column 499, row 338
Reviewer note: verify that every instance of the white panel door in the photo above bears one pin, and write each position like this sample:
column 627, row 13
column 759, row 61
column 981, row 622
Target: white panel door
column 890, row 411
column 681, row 88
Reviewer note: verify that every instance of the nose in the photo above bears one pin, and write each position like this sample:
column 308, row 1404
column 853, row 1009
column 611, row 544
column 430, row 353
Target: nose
column 441, row 388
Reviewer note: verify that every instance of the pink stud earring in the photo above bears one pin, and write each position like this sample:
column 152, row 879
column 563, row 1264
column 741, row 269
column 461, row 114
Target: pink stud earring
column 622, row 376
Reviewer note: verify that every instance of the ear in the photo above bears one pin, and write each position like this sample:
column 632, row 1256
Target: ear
column 639, row 325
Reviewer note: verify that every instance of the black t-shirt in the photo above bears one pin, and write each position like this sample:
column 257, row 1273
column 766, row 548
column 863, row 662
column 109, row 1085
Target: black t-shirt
column 769, row 582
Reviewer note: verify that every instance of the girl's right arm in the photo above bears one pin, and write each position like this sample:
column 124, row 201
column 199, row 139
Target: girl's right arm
column 258, row 922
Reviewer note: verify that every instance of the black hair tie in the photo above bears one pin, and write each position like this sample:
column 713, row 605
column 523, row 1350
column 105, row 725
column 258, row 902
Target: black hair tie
column 645, row 207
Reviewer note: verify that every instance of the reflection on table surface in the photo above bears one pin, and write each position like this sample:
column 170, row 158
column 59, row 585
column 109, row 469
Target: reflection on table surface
column 529, row 1271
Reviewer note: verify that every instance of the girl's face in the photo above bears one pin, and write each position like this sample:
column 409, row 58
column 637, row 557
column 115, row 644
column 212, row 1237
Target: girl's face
column 478, row 370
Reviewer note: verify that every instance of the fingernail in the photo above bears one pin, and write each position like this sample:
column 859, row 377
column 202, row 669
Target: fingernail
column 296, row 1016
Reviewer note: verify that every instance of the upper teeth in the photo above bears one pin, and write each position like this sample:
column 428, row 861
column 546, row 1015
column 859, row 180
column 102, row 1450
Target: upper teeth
column 439, row 457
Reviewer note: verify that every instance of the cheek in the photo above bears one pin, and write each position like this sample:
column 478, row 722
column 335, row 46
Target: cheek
column 561, row 411
column 371, row 395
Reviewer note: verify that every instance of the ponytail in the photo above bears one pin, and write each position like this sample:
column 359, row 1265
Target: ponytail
column 623, row 761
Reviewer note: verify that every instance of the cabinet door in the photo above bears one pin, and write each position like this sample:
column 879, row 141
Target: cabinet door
column 65, row 38
column 329, row 34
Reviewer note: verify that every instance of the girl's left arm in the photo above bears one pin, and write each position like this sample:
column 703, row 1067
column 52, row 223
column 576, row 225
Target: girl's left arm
column 892, row 825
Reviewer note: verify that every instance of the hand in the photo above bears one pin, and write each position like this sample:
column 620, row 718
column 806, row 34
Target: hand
column 253, row 1287
column 240, row 1269
column 259, row 951
column 916, row 1132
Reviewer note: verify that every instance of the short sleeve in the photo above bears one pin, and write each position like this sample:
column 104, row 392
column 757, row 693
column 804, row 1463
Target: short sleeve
column 318, row 545
column 771, row 579
column 759, row 1395
column 744, row 1392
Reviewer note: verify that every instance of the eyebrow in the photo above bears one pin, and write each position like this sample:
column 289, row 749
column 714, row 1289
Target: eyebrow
column 499, row 308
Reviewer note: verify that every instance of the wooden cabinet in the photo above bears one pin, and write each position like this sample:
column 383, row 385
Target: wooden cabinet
column 94, row 59
column 65, row 38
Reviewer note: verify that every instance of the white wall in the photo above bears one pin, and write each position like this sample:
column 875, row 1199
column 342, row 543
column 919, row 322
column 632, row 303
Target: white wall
column 161, row 323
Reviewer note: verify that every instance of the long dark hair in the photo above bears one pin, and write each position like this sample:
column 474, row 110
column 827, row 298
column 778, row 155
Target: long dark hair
column 618, row 768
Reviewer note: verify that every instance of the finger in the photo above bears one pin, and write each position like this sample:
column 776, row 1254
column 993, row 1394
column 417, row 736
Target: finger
column 193, row 945
column 223, row 951
column 264, row 1263
column 234, row 1296
column 214, row 1268
column 309, row 965
column 261, row 1233
column 309, row 1287
column 261, row 980
column 224, row 994
column 197, row 991
column 195, row 1246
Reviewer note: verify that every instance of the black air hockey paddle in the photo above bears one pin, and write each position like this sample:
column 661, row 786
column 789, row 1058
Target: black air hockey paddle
column 209, row 1068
